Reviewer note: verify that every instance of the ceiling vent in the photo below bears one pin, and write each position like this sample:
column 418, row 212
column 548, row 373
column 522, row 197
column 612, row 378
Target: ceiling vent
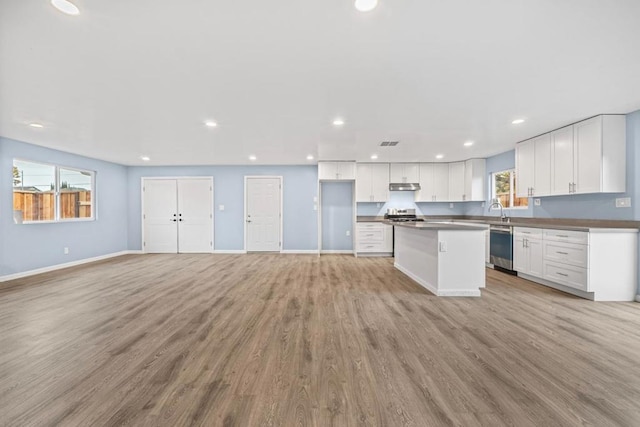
column 389, row 143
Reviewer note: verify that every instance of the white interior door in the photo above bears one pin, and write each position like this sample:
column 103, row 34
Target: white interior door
column 263, row 214
column 160, row 216
column 195, row 215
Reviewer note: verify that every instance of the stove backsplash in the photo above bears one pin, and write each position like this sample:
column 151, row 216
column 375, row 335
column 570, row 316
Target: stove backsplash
column 405, row 200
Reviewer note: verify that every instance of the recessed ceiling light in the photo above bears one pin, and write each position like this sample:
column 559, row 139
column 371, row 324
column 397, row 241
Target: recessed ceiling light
column 210, row 123
column 252, row 158
column 338, row 122
column 309, row 157
column 36, row 125
column 374, row 156
column 517, row 121
column 468, row 143
column 366, row 5
column 145, row 158
column 439, row 156
column 65, row 6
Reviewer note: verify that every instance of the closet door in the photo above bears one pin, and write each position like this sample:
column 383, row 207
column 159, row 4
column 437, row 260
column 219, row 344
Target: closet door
column 160, row 216
column 195, row 215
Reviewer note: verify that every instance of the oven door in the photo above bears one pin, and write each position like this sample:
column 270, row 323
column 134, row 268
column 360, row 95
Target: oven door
column 501, row 247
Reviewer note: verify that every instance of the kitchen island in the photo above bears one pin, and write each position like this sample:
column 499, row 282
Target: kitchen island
column 448, row 259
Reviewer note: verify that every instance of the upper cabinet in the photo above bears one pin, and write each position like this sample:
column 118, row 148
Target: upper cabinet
column 372, row 182
column 336, row 171
column 533, row 165
column 589, row 156
column 434, row 183
column 456, row 182
column 404, row 173
column 474, row 180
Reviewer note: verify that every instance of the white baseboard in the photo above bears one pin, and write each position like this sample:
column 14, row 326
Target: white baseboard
column 65, row 265
column 350, row 252
column 300, row 251
column 232, row 251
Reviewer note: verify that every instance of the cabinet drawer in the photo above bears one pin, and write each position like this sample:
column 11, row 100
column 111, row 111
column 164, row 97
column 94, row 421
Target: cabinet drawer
column 530, row 233
column 581, row 237
column 571, row 276
column 566, row 253
column 370, row 235
column 370, row 247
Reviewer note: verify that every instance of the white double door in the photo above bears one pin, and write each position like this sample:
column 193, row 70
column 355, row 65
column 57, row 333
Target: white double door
column 263, row 214
column 178, row 215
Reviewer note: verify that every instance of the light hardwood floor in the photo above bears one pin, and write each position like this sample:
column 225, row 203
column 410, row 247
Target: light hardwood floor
column 171, row 340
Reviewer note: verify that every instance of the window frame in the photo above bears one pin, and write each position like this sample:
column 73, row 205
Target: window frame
column 56, row 192
column 512, row 189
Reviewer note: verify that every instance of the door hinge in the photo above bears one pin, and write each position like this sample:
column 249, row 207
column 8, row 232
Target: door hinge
column 144, row 243
column 211, row 244
column 144, row 216
column 279, row 244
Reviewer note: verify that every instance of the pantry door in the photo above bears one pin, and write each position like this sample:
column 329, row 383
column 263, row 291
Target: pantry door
column 263, row 214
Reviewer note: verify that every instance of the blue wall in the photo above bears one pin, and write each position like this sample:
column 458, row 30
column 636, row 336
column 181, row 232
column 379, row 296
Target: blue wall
column 337, row 216
column 405, row 199
column 25, row 247
column 300, row 186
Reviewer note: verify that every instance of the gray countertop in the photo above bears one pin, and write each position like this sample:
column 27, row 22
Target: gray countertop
column 562, row 224
column 436, row 226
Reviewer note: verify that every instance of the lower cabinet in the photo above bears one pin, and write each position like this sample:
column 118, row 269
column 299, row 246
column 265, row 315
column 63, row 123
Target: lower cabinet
column 527, row 251
column 599, row 264
column 374, row 238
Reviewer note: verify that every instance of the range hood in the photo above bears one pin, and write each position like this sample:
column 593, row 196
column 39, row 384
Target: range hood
column 404, row 186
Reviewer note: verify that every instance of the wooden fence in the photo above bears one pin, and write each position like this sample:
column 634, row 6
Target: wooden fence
column 40, row 206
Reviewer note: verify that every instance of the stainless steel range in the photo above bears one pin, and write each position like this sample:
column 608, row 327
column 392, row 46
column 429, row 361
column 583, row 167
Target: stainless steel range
column 402, row 215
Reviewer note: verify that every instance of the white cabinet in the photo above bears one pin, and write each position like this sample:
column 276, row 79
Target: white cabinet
column 372, row 182
column 527, row 251
column 404, row 173
column 434, row 182
column 336, row 171
column 374, row 238
column 474, row 180
column 589, row 157
column 533, row 163
column 456, row 182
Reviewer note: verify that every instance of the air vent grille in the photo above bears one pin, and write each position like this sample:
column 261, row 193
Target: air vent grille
column 389, row 143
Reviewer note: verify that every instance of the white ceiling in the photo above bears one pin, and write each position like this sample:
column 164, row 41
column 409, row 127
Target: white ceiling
column 131, row 78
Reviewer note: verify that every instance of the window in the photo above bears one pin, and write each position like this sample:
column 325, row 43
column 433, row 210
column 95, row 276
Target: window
column 43, row 192
column 504, row 188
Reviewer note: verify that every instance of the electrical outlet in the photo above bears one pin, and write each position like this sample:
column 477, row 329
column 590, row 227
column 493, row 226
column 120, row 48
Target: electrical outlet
column 348, row 233
column 315, row 199
column 451, row 205
column 536, row 202
column 623, row 202
column 66, row 251
column 315, row 207
column 442, row 246
column 221, row 207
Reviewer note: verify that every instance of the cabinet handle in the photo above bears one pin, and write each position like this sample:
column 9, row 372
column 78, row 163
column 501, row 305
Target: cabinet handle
column 370, row 234
column 562, row 253
column 562, row 274
column 562, row 235
column 574, row 187
column 533, row 191
column 569, row 187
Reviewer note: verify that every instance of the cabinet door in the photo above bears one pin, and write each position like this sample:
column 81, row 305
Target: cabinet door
column 440, row 182
column 327, row 171
column 534, row 247
column 396, row 173
column 520, row 255
column 456, row 181
column 380, row 182
column 542, row 166
column 562, row 161
column 427, row 183
column 525, row 166
column 346, row 170
column 412, row 172
column 588, row 155
column 474, row 180
column 363, row 183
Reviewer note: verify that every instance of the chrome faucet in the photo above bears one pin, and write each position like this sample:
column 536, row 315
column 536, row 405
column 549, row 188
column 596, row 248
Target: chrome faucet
column 496, row 202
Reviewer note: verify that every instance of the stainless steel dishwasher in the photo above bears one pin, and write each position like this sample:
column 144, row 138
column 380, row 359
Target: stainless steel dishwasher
column 501, row 247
